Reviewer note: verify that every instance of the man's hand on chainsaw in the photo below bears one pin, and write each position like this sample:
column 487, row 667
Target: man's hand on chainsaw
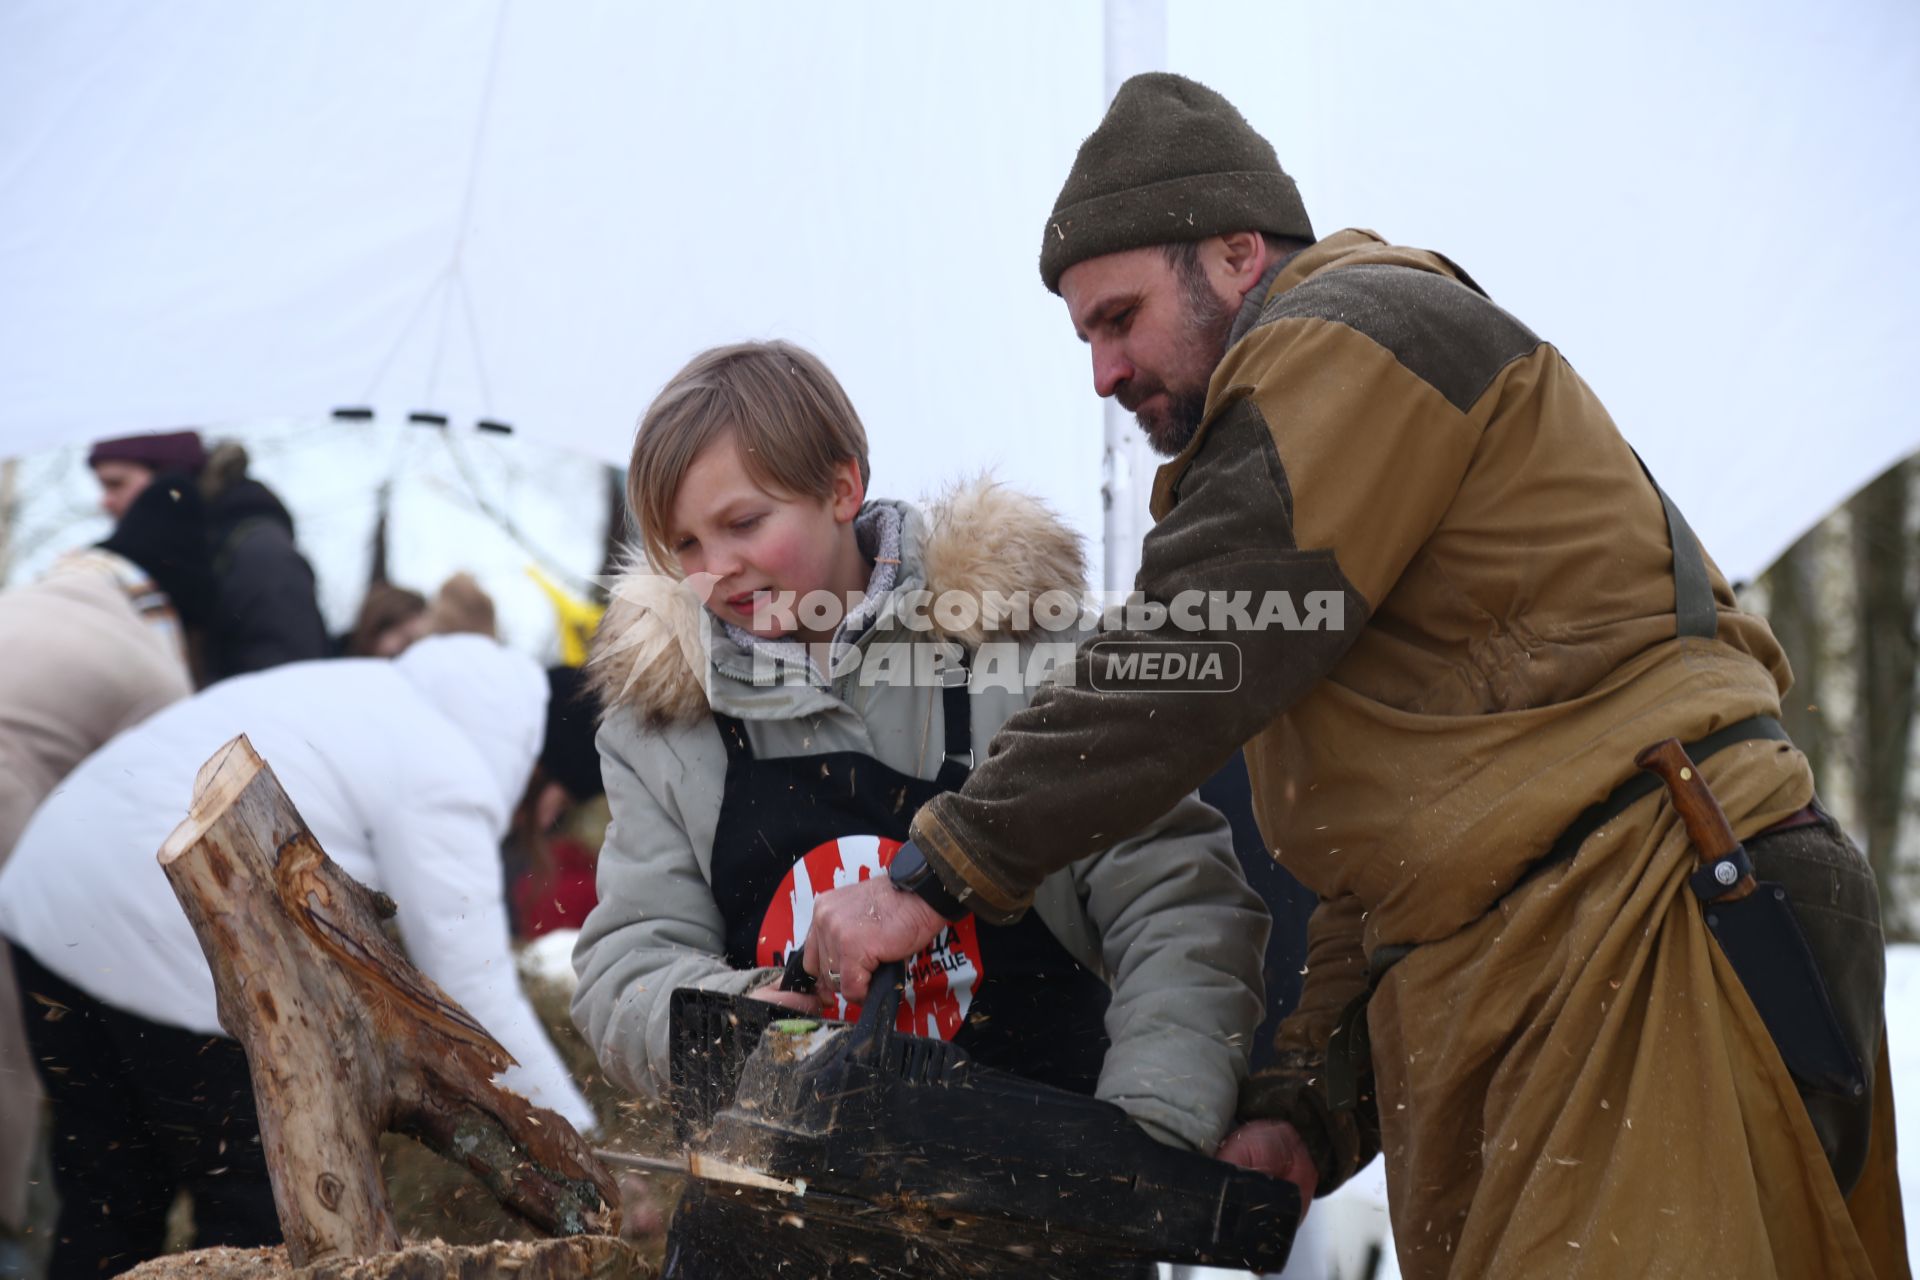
column 1272, row 1147
column 862, row 926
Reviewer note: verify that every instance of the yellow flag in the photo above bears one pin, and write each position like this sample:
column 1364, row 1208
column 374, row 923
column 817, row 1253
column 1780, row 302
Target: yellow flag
column 574, row 617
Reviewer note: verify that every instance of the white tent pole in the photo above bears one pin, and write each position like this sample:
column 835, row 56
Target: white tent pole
column 1136, row 40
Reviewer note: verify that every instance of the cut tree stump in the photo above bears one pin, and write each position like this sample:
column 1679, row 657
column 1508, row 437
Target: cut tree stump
column 346, row 1039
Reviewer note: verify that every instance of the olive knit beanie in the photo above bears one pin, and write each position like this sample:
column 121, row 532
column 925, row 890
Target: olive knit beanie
column 1172, row 161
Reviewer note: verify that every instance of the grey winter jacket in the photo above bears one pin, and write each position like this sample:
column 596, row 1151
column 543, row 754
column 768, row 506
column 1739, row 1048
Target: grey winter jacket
column 1166, row 917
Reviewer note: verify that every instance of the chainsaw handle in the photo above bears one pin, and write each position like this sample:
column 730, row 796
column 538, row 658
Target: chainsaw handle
column 882, row 1006
column 795, row 976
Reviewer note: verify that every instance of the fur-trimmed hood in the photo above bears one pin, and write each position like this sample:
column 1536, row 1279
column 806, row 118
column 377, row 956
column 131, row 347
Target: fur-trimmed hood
column 655, row 647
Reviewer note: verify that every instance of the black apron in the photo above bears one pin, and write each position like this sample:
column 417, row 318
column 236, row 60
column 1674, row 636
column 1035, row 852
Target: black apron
column 794, row 827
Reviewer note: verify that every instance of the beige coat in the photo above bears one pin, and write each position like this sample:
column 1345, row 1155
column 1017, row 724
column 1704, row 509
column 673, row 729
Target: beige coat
column 84, row 660
column 1167, row 917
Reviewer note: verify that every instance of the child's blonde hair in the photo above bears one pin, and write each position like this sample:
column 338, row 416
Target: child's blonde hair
column 790, row 416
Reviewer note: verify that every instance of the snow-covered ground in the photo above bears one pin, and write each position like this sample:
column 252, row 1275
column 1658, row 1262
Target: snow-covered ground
column 1903, row 1045
column 549, row 958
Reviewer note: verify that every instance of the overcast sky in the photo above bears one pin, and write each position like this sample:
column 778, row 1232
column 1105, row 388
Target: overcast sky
column 220, row 213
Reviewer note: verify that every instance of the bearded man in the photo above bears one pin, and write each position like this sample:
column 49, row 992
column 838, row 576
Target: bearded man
column 1563, row 1069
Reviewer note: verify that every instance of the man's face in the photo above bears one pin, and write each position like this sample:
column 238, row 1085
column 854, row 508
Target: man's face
column 1156, row 335
column 120, row 484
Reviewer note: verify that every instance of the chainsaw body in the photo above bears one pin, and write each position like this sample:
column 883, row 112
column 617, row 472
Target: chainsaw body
column 884, row 1129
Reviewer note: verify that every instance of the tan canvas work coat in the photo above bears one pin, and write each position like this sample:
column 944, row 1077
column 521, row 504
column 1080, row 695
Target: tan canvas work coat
column 1570, row 1080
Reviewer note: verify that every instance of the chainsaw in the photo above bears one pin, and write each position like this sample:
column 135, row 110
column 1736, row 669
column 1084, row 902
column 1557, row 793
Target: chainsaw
column 858, row 1124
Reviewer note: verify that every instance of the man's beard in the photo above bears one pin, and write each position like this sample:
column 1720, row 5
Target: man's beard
column 1208, row 320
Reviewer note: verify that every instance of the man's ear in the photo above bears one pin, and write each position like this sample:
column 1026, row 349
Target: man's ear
column 1243, row 259
column 849, row 492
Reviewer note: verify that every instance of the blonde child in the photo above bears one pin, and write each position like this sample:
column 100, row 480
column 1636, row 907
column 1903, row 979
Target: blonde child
column 760, row 748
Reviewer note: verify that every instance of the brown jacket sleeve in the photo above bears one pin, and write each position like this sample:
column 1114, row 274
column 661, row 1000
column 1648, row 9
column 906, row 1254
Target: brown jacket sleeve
column 1094, row 759
column 1294, row 1088
column 1337, row 444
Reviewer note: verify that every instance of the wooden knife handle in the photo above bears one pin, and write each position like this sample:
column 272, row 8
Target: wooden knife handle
column 1705, row 821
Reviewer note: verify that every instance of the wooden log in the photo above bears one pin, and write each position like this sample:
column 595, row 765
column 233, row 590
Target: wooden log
column 346, row 1039
column 579, row 1258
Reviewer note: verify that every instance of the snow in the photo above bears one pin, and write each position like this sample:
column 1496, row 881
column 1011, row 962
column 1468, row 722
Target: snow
column 549, row 958
column 1903, row 1047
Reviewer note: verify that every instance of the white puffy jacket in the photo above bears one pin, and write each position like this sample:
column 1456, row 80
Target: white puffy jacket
column 407, row 771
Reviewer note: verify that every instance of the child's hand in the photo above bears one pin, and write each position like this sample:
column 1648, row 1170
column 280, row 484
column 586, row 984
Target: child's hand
column 795, row 1000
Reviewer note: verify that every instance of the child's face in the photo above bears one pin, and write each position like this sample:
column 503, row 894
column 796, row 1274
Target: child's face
column 738, row 542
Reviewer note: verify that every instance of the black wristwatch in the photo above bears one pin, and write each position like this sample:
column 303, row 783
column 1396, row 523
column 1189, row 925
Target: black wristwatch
column 910, row 872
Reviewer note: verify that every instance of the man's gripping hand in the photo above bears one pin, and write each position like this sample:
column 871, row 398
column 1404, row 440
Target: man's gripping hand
column 1275, row 1148
column 860, row 927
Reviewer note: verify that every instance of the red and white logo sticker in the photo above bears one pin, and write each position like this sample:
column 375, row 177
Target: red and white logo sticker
column 940, row 981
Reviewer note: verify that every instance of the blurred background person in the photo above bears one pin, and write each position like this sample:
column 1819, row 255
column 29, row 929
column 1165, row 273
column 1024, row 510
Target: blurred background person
column 391, row 618
column 408, row 772
column 266, row 611
column 125, row 465
column 94, row 647
column 99, row 644
column 461, row 607
column 550, row 867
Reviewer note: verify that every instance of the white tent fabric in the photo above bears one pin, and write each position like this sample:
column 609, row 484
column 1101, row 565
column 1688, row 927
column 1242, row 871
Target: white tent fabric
column 217, row 212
